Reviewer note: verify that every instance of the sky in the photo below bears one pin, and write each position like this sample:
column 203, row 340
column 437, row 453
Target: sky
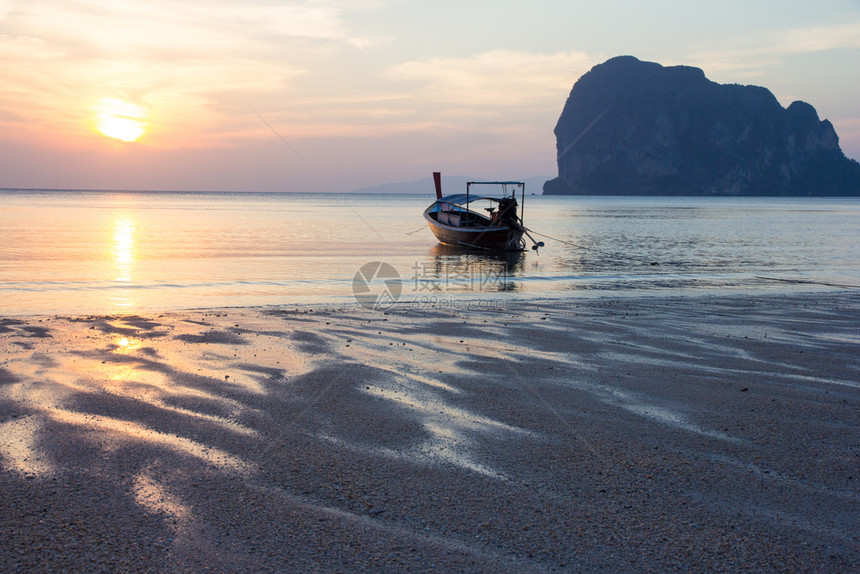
column 336, row 95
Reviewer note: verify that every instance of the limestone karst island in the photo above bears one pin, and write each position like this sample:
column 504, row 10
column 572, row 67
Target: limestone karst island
column 638, row 128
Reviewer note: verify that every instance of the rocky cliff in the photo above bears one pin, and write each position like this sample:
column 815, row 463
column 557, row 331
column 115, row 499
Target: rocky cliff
column 639, row 128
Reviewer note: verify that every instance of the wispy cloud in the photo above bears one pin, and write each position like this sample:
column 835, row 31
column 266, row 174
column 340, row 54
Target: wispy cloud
column 495, row 78
column 182, row 28
column 803, row 40
column 446, row 96
column 188, row 62
column 765, row 51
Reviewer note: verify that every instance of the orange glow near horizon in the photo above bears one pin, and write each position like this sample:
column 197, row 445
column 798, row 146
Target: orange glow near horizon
column 119, row 119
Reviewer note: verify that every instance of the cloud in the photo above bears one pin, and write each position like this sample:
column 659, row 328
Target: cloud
column 497, row 78
column 177, row 26
column 498, row 93
column 191, row 64
column 820, row 38
column 200, row 69
column 449, row 97
column 766, row 51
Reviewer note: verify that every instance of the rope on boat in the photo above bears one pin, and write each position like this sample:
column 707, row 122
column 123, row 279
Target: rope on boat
column 602, row 252
column 648, row 262
column 417, row 230
column 319, row 177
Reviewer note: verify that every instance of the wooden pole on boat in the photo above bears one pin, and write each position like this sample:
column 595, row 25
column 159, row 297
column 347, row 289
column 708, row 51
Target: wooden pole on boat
column 522, row 202
column 437, row 179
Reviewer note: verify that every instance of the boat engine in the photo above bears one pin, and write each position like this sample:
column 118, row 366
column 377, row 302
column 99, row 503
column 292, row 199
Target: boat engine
column 508, row 212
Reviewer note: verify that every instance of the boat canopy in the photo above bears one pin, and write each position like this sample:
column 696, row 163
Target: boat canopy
column 463, row 198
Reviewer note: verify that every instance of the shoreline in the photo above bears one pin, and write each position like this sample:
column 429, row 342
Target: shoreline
column 712, row 432
column 458, row 301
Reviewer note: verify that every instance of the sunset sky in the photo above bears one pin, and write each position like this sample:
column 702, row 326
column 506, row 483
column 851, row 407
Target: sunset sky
column 334, row 95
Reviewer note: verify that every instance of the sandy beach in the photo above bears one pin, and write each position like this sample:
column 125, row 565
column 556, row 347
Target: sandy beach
column 690, row 434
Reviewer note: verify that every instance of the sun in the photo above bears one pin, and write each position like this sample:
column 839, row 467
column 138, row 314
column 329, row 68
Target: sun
column 120, row 120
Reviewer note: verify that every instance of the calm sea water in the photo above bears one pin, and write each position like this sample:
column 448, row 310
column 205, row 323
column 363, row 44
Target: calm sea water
column 102, row 252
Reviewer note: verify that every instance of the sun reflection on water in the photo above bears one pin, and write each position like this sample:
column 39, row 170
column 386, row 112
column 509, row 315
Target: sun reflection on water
column 124, row 256
column 123, row 249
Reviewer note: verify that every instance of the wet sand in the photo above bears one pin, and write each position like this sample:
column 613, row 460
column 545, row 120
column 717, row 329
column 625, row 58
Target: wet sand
column 662, row 434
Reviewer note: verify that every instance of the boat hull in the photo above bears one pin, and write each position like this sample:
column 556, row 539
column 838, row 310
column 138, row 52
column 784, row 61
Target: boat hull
column 487, row 238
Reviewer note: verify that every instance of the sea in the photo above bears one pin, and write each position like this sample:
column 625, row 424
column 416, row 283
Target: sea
column 116, row 252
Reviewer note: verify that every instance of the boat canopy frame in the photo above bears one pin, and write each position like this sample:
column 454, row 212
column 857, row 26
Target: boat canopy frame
column 504, row 184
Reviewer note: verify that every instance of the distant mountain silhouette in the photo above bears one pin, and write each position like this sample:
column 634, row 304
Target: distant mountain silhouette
column 639, row 128
column 450, row 184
